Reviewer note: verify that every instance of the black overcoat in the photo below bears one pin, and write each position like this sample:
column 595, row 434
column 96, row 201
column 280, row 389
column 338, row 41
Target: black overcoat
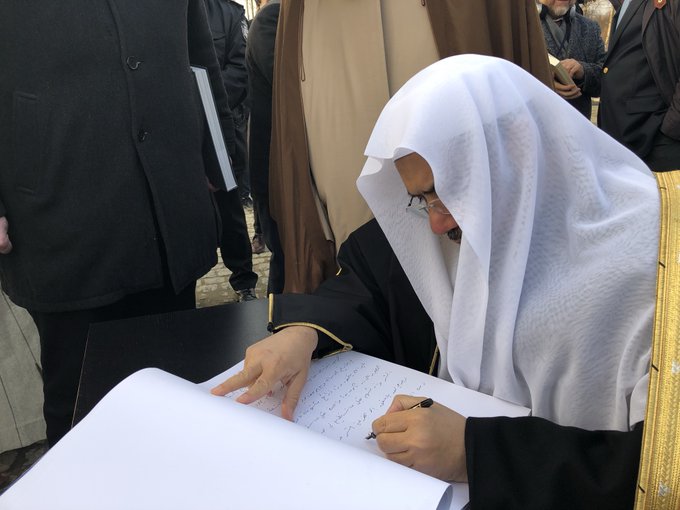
column 102, row 149
column 260, row 66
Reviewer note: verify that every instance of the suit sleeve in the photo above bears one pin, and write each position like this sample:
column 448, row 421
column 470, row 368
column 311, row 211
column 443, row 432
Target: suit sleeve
column 202, row 53
column 592, row 69
column 671, row 121
column 234, row 72
column 533, row 463
column 262, row 42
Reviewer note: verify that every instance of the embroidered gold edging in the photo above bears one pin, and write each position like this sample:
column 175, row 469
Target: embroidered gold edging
column 433, row 363
column 659, row 475
column 333, row 353
column 345, row 346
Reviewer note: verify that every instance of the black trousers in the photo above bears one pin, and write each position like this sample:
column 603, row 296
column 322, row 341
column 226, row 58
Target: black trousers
column 270, row 232
column 235, row 248
column 240, row 161
column 256, row 219
column 63, row 336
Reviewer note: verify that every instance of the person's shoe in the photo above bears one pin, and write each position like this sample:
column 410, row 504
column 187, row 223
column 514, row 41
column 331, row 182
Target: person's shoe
column 247, row 202
column 258, row 244
column 246, row 295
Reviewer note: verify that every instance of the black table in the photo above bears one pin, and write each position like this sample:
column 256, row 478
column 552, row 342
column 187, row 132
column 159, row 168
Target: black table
column 193, row 344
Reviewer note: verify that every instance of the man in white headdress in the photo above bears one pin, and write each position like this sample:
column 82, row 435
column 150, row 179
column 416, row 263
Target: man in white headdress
column 535, row 283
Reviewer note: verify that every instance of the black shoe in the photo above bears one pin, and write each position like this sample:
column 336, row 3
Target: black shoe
column 258, row 245
column 246, row 295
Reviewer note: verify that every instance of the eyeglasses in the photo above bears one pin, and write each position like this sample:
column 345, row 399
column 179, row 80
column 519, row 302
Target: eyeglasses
column 423, row 207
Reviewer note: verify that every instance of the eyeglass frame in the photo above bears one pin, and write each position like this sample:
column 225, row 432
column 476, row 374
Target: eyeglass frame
column 422, row 210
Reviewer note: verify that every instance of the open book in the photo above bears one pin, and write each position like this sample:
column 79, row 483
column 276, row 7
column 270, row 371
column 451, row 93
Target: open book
column 160, row 442
column 561, row 74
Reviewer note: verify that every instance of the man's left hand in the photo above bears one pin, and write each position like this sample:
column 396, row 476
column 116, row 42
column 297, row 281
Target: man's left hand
column 567, row 91
column 430, row 440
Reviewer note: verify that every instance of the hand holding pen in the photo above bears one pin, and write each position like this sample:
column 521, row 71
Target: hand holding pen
column 424, row 435
column 423, row 403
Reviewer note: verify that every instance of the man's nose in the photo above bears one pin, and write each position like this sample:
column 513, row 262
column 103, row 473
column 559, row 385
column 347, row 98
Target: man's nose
column 441, row 223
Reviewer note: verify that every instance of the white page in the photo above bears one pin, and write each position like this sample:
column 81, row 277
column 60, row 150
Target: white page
column 346, row 392
column 214, row 126
column 159, row 442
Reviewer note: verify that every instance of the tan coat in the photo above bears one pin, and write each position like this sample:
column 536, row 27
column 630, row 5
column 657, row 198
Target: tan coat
column 324, row 111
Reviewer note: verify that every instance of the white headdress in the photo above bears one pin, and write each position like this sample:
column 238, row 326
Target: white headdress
column 555, row 282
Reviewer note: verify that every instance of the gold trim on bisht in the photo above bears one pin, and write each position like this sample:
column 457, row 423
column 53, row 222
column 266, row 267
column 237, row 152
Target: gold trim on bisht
column 659, row 477
column 433, row 363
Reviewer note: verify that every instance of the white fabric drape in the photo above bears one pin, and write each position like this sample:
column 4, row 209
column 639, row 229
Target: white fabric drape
column 555, row 283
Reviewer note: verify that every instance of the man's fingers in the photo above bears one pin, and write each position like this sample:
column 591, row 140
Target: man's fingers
column 5, row 243
column 403, row 402
column 572, row 94
column 392, row 442
column 244, row 378
column 292, row 397
column 389, row 423
column 261, row 387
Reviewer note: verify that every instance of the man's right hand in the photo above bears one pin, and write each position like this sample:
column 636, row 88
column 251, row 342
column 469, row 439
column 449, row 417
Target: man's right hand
column 567, row 91
column 283, row 357
column 5, row 243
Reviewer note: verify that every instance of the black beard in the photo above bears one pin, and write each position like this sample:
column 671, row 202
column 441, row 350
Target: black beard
column 455, row 234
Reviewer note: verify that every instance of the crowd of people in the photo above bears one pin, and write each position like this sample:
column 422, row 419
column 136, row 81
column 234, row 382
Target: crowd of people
column 430, row 192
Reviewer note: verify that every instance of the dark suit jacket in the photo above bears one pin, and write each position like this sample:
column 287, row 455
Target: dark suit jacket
column 229, row 28
column 102, row 149
column 640, row 93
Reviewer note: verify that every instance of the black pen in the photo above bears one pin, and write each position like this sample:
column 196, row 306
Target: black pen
column 423, row 403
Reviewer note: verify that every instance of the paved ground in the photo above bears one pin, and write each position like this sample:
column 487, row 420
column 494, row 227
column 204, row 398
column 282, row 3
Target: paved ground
column 214, row 289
